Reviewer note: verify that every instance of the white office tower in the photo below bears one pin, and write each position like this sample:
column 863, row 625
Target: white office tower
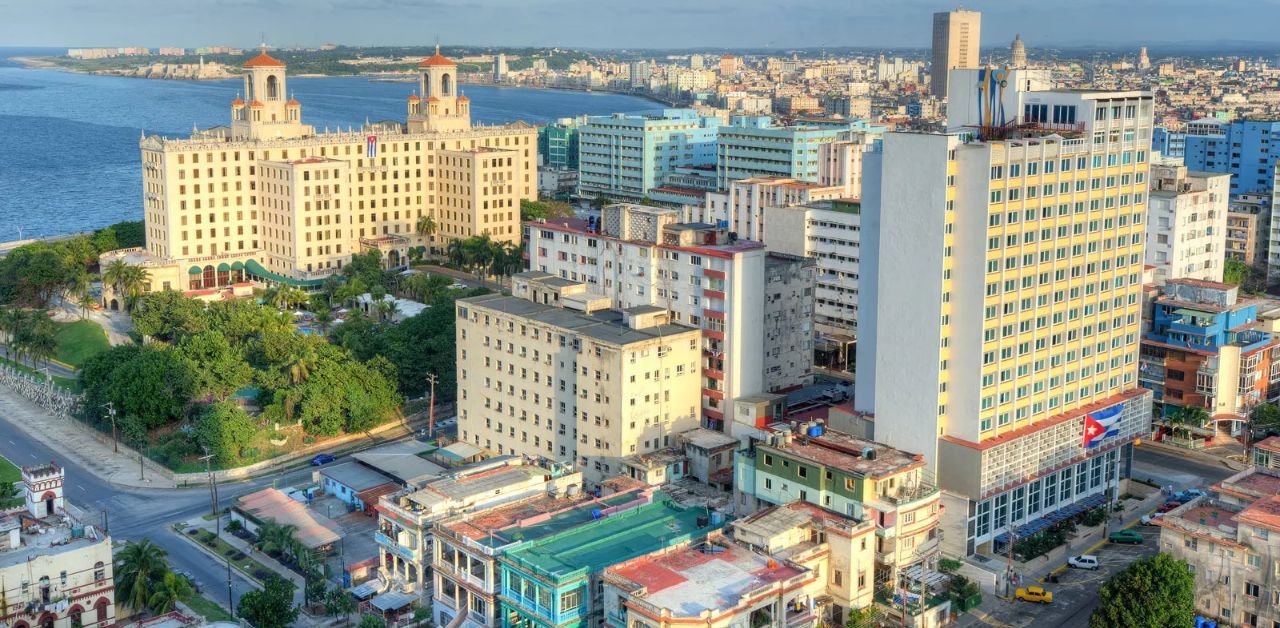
column 1004, row 261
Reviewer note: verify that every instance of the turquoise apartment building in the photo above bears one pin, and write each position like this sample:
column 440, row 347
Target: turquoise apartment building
column 754, row 146
column 558, row 143
column 623, row 156
column 553, row 582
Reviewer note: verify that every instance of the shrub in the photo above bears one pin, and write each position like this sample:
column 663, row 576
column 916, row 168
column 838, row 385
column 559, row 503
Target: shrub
column 948, row 565
column 1094, row 516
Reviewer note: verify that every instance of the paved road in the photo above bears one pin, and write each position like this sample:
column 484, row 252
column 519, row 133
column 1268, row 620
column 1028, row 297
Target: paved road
column 1183, row 471
column 136, row 514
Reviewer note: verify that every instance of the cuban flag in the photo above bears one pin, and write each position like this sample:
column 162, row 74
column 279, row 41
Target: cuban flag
column 371, row 146
column 1101, row 425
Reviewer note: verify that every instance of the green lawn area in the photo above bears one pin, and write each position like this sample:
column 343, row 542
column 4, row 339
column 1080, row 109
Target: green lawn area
column 80, row 341
column 8, row 471
column 206, row 608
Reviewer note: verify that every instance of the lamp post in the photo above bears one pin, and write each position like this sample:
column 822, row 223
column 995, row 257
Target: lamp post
column 111, row 412
column 432, row 379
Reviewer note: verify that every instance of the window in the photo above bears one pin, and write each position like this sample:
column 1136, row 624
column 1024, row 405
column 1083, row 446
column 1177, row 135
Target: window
column 571, row 601
column 1251, row 589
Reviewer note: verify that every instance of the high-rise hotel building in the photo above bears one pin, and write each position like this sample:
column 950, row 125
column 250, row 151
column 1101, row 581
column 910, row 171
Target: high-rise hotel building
column 269, row 197
column 1004, row 259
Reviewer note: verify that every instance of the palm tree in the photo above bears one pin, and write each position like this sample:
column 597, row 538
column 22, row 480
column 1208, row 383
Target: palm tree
column 133, row 285
column 426, row 226
column 324, row 318
column 138, row 566
column 114, row 273
column 299, row 368
column 1186, row 418
column 386, row 309
column 456, row 252
column 85, row 302
column 168, row 591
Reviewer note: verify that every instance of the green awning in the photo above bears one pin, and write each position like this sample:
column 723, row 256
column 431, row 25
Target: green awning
column 257, row 270
column 237, row 266
column 1193, row 313
column 195, row 270
column 224, row 267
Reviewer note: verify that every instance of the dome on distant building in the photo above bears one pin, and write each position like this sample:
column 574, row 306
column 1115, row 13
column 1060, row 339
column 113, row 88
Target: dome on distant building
column 463, row 98
column 264, row 60
column 237, row 102
column 414, row 98
column 1018, row 52
column 293, row 103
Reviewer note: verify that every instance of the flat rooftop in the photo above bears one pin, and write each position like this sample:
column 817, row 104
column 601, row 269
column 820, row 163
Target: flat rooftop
column 1264, row 513
column 1253, row 482
column 1208, row 514
column 604, row 326
column 708, row 577
column 537, row 518
column 612, row 539
column 45, row 537
column 842, row 451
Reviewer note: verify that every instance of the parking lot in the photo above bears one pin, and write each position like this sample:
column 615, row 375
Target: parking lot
column 1075, row 595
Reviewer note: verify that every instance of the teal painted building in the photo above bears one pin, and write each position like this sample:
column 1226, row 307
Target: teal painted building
column 753, row 146
column 624, row 156
column 552, row 582
column 558, row 143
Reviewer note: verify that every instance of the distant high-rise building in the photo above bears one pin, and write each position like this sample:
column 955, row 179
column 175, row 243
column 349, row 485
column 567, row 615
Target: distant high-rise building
column 500, row 68
column 696, row 62
column 1018, row 52
column 1144, row 62
column 956, row 37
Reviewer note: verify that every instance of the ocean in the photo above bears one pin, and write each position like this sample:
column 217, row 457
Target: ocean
column 69, row 157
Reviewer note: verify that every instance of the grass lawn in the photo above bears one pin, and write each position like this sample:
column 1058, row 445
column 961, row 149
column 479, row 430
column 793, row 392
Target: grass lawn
column 206, row 608
column 243, row 563
column 8, row 471
column 80, row 341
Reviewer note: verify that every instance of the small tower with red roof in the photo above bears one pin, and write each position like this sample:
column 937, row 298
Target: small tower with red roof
column 438, row 108
column 268, row 114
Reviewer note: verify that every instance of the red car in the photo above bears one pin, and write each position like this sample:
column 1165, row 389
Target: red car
column 1167, row 506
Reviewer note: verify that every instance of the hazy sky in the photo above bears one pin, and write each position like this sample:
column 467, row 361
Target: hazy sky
column 618, row 23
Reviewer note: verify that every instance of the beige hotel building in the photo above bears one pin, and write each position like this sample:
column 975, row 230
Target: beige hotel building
column 270, row 199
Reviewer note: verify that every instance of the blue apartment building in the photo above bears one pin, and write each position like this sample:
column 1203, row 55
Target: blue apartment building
column 1245, row 149
column 623, row 156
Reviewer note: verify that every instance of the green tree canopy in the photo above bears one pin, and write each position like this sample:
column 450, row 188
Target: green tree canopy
column 168, row 316
column 1155, row 592
column 534, row 210
column 138, row 567
column 225, row 430
column 218, row 369
column 270, row 607
column 151, row 383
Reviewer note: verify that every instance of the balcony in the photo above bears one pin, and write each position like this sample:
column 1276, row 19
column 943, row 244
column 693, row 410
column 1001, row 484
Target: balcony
column 395, row 548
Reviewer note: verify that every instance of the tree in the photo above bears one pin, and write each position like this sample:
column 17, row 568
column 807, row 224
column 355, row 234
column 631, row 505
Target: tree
column 225, row 430
column 338, row 602
column 535, row 210
column 1235, row 272
column 271, row 607
column 167, row 591
column 456, row 253
column 316, row 590
column 372, row 621
column 426, row 226
column 865, row 617
column 168, row 316
column 126, row 280
column 1155, row 592
column 138, row 567
column 1186, row 418
column 151, row 383
column 1265, row 416
column 599, row 202
column 217, row 369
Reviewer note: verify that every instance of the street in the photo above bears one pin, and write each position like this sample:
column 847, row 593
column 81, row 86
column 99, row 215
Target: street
column 137, row 513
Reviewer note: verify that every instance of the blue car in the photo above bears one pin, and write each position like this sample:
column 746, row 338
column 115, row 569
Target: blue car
column 322, row 459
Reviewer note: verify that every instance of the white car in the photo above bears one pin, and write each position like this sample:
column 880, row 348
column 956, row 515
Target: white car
column 1084, row 561
column 1150, row 520
column 458, row 285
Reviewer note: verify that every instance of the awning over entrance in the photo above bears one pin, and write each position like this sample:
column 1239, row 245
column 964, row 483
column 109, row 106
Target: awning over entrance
column 224, row 267
column 195, row 270
column 1043, row 523
column 257, row 270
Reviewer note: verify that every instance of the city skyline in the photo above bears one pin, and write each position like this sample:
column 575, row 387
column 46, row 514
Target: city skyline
column 576, row 23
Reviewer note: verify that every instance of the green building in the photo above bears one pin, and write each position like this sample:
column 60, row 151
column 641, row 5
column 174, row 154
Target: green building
column 552, row 582
column 558, row 144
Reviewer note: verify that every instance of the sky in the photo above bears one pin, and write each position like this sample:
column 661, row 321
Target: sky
column 619, row 23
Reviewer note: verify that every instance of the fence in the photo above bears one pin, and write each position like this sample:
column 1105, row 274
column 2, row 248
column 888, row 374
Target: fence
column 43, row 393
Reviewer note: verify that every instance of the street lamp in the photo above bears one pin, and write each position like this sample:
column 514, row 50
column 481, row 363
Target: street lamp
column 111, row 412
column 432, row 379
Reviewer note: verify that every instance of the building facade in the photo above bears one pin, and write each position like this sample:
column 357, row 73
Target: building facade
column 706, row 279
column 957, row 36
column 586, row 387
column 1206, row 349
column 624, row 156
column 1187, row 233
column 270, row 198
column 752, row 146
column 55, row 567
column 1239, row 148
column 852, row 476
column 558, row 144
column 1231, row 540
column 1024, row 300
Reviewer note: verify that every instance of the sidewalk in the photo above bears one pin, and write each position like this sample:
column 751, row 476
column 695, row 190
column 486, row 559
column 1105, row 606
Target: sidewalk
column 79, row 443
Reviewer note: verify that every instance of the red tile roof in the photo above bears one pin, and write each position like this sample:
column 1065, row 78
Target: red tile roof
column 264, row 60
column 436, row 59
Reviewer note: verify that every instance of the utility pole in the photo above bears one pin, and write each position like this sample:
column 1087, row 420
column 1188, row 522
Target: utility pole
column 213, row 491
column 1008, row 575
column 111, row 412
column 231, row 602
column 432, row 379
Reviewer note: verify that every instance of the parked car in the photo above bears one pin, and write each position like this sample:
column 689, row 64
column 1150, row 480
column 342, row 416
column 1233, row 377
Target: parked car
column 1150, row 520
column 1034, row 594
column 1125, row 536
column 1188, row 495
column 1169, row 505
column 1083, row 561
column 458, row 285
column 195, row 586
column 322, row 459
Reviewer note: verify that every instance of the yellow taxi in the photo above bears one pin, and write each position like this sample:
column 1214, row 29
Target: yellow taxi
column 1034, row 594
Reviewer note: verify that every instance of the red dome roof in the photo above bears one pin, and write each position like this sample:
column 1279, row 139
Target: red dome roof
column 264, row 60
column 463, row 98
column 436, row 59
column 237, row 102
column 293, row 103
column 414, row 98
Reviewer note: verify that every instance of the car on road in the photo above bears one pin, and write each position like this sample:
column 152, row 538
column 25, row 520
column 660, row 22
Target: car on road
column 1125, row 536
column 195, row 586
column 322, row 459
column 458, row 285
column 1150, row 520
column 1034, row 594
column 1083, row 561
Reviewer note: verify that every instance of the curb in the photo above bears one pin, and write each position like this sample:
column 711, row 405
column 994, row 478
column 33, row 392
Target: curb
column 217, row 557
